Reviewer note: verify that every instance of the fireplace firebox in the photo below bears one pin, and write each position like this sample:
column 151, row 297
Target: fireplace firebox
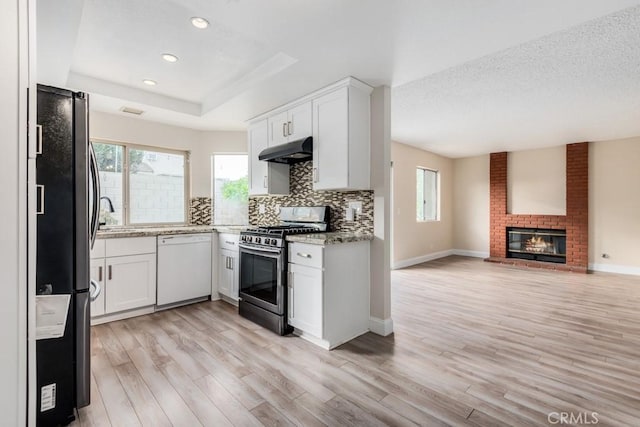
column 537, row 244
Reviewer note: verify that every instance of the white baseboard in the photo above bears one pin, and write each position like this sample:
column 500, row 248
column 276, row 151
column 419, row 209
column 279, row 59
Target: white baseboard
column 475, row 254
column 612, row 268
column 419, row 260
column 380, row 326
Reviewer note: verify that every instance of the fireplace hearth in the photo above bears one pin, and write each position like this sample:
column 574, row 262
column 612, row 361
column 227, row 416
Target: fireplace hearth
column 537, row 244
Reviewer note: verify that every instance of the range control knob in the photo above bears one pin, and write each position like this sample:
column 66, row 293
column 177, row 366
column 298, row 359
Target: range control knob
column 249, row 238
column 258, row 239
column 267, row 241
column 274, row 241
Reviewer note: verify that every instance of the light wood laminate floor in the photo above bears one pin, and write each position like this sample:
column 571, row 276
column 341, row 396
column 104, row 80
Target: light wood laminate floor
column 475, row 344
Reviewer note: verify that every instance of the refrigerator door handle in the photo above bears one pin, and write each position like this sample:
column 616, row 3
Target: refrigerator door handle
column 95, row 182
column 97, row 290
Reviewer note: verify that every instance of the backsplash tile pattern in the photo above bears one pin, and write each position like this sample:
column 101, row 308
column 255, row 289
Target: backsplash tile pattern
column 200, row 211
column 302, row 194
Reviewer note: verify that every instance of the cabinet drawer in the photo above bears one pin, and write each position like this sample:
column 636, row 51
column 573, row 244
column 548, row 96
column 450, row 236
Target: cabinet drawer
column 130, row 246
column 228, row 241
column 98, row 250
column 306, row 254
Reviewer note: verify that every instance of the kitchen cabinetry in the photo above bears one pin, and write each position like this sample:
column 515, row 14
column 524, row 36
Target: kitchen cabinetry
column 290, row 125
column 341, row 139
column 328, row 300
column 228, row 273
column 264, row 177
column 126, row 270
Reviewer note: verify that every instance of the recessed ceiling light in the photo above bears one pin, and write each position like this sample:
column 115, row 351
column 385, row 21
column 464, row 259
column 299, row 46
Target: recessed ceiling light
column 150, row 82
column 200, row 23
column 169, row 57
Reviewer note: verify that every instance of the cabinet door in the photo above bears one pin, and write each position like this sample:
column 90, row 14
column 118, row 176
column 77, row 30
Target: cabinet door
column 224, row 282
column 235, row 275
column 300, row 119
column 305, row 299
column 97, row 273
column 278, row 129
column 258, row 141
column 331, row 141
column 131, row 282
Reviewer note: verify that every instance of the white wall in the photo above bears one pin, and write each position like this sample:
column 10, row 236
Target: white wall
column 202, row 144
column 537, row 181
column 13, row 122
column 415, row 240
column 614, row 205
column 471, row 205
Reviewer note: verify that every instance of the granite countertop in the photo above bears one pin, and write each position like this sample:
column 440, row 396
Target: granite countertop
column 117, row 232
column 330, row 238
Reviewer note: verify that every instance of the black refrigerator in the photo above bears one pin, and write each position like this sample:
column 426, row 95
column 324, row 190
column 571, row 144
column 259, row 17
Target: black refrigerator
column 67, row 194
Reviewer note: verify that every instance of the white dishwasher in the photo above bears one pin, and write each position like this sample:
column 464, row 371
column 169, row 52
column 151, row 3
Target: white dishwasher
column 184, row 267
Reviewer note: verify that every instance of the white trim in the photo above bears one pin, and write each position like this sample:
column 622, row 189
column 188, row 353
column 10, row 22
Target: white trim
column 474, row 254
column 382, row 327
column 612, row 268
column 424, row 258
column 122, row 315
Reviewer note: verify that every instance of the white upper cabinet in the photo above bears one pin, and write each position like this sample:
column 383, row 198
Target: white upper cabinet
column 290, row 125
column 264, row 177
column 341, row 140
column 338, row 118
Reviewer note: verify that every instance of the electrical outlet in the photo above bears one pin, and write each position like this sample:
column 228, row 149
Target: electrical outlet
column 356, row 205
column 261, row 208
column 276, row 209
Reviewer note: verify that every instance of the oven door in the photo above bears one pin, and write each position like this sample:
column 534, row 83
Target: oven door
column 261, row 277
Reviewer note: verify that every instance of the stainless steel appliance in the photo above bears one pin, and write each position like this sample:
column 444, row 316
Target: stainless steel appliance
column 263, row 265
column 67, row 221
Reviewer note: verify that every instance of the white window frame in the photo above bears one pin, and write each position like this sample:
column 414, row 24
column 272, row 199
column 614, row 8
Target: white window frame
column 126, row 220
column 437, row 198
column 213, row 178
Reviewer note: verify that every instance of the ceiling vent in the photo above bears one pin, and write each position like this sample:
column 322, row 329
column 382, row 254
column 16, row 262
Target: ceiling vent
column 131, row 110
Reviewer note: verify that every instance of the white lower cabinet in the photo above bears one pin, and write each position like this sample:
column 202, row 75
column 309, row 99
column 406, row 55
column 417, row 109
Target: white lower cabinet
column 328, row 291
column 305, row 299
column 131, row 282
column 228, row 266
column 126, row 272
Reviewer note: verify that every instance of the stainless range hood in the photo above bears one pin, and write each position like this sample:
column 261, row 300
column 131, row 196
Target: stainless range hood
column 292, row 152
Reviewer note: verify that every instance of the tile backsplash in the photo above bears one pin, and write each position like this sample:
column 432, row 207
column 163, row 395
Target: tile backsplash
column 302, row 194
column 200, row 211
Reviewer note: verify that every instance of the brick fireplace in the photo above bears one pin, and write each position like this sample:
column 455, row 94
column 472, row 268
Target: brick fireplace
column 575, row 222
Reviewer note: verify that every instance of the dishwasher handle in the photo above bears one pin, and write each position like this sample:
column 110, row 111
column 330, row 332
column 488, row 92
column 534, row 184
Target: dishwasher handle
column 183, row 239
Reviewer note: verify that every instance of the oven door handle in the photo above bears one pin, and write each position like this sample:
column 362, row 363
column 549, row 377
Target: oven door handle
column 260, row 250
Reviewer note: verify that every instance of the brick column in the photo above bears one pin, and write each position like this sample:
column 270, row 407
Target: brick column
column 498, row 204
column 578, row 204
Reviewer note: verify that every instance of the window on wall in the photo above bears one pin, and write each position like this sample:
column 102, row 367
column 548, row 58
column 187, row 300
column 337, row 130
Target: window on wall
column 146, row 185
column 427, row 194
column 230, row 189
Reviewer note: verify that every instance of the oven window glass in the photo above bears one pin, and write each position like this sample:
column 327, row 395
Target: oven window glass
column 259, row 277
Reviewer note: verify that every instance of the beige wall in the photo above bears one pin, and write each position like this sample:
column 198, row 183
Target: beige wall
column 411, row 238
column 471, row 205
column 201, row 144
column 614, row 202
column 536, row 181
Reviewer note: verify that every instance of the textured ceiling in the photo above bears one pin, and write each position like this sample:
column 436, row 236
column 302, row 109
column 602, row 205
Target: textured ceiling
column 466, row 75
column 582, row 84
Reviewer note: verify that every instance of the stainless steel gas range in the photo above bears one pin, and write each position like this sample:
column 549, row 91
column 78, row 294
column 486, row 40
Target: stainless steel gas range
column 263, row 265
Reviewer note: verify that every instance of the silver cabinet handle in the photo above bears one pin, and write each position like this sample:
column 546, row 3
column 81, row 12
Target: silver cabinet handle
column 110, row 273
column 304, row 255
column 100, row 274
column 231, row 262
column 39, row 139
column 229, row 243
column 291, row 304
column 265, row 181
column 284, row 129
column 289, row 128
column 315, row 174
column 40, row 210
